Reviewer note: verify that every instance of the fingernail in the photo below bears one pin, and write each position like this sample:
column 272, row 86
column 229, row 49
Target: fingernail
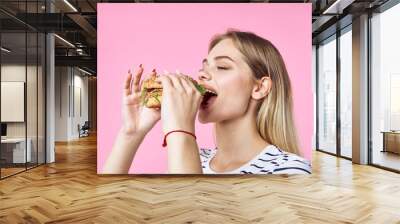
column 140, row 66
column 154, row 70
column 129, row 71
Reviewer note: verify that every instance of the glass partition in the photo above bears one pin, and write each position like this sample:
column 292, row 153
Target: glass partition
column 22, row 77
column 31, row 100
column 14, row 153
column 327, row 95
column 41, row 107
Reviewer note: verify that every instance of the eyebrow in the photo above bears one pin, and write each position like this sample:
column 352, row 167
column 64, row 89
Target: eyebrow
column 218, row 58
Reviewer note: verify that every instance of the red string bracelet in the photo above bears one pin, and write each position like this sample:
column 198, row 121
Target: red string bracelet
column 186, row 132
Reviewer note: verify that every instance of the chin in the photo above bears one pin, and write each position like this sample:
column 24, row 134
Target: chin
column 215, row 115
column 207, row 116
column 204, row 118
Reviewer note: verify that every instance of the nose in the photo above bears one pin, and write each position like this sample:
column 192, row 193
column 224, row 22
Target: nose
column 204, row 76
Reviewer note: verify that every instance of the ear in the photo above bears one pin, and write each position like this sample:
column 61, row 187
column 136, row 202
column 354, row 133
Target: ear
column 262, row 88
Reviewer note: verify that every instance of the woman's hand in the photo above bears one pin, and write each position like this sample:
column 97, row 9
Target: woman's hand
column 180, row 103
column 136, row 117
column 179, row 106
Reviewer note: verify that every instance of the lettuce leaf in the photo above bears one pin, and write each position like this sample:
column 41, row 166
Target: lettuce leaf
column 200, row 88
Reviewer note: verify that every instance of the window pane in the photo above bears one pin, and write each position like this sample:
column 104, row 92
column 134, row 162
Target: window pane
column 385, row 86
column 345, row 94
column 41, row 98
column 31, row 100
column 327, row 96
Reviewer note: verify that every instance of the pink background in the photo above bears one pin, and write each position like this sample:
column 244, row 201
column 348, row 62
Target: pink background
column 176, row 36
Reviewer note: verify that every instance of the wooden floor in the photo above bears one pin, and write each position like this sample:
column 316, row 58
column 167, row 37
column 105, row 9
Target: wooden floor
column 387, row 159
column 70, row 191
column 10, row 171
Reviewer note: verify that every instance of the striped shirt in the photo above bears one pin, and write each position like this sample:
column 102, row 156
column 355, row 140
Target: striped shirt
column 270, row 160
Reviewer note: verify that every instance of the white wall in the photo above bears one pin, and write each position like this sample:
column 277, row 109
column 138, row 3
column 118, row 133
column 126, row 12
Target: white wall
column 80, row 84
column 9, row 73
column 62, row 81
column 15, row 72
column 13, row 100
column 70, row 83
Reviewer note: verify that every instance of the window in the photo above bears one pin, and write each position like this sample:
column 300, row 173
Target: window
column 346, row 92
column 327, row 96
column 385, row 88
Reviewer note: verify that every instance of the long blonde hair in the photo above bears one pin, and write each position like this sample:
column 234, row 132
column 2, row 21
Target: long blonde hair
column 275, row 113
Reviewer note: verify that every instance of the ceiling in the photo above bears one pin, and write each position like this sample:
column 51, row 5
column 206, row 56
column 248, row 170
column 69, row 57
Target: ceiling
column 76, row 22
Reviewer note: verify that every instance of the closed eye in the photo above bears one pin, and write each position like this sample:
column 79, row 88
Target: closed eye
column 222, row 68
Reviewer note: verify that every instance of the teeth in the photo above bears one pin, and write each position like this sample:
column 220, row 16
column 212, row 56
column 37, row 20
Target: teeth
column 210, row 91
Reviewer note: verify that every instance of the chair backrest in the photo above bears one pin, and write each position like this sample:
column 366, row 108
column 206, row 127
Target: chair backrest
column 86, row 124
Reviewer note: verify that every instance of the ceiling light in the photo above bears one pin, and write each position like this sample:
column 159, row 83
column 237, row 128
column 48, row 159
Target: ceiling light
column 70, row 5
column 84, row 71
column 5, row 50
column 64, row 40
column 338, row 6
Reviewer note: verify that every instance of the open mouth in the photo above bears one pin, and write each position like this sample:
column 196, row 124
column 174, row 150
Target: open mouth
column 208, row 97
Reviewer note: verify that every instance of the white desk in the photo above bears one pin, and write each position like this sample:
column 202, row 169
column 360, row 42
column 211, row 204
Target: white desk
column 19, row 149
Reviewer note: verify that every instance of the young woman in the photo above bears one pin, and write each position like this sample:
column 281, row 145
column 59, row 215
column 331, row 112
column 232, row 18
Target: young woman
column 252, row 113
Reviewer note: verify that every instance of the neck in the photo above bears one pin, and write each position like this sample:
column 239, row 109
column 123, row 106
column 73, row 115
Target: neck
column 239, row 139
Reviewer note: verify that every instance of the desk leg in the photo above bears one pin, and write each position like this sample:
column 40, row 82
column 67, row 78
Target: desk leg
column 384, row 143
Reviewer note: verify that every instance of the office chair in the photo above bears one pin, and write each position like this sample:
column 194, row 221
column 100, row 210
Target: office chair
column 84, row 130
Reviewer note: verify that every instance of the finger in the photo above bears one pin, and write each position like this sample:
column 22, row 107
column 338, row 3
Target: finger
column 165, row 81
column 197, row 92
column 185, row 83
column 136, row 79
column 153, row 73
column 182, row 78
column 176, row 80
column 191, row 83
column 127, row 85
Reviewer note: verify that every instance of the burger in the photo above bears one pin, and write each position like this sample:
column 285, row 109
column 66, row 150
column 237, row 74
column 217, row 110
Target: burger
column 151, row 93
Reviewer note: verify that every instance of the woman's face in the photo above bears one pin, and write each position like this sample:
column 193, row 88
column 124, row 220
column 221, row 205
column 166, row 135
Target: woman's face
column 225, row 72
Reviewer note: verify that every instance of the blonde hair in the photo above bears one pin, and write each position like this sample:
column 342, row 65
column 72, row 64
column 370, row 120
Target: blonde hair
column 275, row 113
